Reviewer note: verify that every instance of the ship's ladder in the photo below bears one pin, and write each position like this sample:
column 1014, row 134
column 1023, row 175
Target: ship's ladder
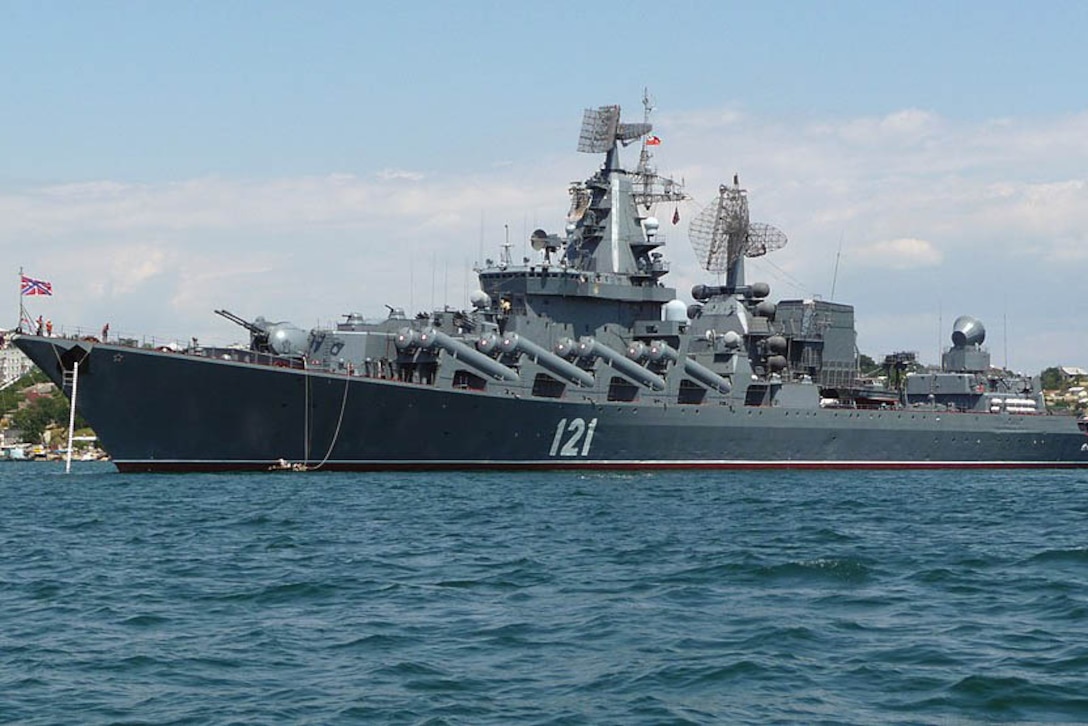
column 70, row 381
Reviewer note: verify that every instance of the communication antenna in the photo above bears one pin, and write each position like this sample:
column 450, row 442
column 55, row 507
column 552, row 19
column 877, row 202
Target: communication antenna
column 722, row 234
column 1005, row 333
column 838, row 256
column 504, row 257
column 480, row 244
column 940, row 332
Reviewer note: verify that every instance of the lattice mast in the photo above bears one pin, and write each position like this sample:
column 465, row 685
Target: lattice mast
column 651, row 188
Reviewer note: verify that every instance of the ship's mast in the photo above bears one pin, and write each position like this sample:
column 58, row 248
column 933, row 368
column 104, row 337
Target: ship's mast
column 650, row 187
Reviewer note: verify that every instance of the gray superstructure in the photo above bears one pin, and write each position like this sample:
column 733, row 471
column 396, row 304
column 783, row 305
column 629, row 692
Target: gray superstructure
column 579, row 357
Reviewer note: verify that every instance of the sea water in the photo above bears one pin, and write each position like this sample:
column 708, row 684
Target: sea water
column 542, row 598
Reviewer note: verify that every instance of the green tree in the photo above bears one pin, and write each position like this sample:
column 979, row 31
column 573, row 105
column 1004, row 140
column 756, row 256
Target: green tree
column 40, row 414
column 13, row 395
column 1052, row 379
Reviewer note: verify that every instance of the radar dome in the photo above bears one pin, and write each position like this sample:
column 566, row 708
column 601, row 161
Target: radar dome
column 759, row 290
column 967, row 331
column 702, row 292
column 479, row 299
column 650, row 224
column 676, row 311
column 732, row 339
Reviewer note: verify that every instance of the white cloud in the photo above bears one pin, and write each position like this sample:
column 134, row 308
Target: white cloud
column 905, row 253
column 941, row 212
column 400, row 175
column 907, row 126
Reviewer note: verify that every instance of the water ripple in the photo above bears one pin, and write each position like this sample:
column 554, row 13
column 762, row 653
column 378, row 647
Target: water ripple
column 625, row 598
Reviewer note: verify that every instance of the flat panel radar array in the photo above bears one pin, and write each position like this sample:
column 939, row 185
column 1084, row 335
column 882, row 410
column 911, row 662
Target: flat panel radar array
column 598, row 134
column 601, row 129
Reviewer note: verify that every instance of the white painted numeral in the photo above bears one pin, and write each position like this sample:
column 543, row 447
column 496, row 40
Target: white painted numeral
column 589, row 436
column 575, row 436
column 558, row 436
column 576, row 428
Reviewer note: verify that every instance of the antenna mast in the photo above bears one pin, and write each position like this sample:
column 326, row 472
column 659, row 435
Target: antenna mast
column 835, row 275
column 722, row 236
column 651, row 188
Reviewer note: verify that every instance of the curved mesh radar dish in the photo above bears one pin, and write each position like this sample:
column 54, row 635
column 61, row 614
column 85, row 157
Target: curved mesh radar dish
column 764, row 238
column 599, row 127
column 718, row 232
column 722, row 232
column 705, row 233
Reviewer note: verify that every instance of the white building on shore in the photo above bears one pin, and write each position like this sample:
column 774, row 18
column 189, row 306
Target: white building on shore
column 13, row 365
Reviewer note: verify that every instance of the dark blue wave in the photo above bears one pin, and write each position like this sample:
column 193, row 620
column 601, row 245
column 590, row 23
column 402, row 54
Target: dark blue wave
column 612, row 598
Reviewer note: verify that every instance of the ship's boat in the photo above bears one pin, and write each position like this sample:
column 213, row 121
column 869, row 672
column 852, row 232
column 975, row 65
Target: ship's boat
column 579, row 357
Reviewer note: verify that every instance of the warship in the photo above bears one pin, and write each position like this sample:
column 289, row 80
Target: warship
column 579, row 357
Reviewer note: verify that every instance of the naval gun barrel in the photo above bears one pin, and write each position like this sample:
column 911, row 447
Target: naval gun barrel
column 589, row 347
column 660, row 350
column 429, row 338
column 260, row 337
column 514, row 343
column 251, row 327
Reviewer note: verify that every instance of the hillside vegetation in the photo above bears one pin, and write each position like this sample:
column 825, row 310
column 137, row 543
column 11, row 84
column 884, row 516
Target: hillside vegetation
column 33, row 405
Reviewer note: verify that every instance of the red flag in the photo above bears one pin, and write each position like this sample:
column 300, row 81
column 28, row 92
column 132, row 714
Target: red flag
column 653, row 141
column 676, row 216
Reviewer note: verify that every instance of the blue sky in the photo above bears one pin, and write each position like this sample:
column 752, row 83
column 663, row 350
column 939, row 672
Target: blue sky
column 303, row 160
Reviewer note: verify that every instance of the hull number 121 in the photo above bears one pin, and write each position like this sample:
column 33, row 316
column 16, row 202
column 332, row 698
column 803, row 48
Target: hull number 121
column 573, row 438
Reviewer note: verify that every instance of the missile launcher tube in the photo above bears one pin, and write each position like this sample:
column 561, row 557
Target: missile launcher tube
column 695, row 369
column 514, row 343
column 429, row 338
column 589, row 347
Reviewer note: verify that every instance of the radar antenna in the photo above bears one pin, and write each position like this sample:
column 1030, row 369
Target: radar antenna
column 599, row 127
column 722, row 234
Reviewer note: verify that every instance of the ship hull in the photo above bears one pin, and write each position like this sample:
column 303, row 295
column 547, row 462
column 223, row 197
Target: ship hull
column 164, row 411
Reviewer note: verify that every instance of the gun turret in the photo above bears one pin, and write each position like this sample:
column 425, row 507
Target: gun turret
column 258, row 335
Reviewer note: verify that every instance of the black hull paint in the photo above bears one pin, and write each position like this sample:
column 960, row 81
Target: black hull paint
column 162, row 411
